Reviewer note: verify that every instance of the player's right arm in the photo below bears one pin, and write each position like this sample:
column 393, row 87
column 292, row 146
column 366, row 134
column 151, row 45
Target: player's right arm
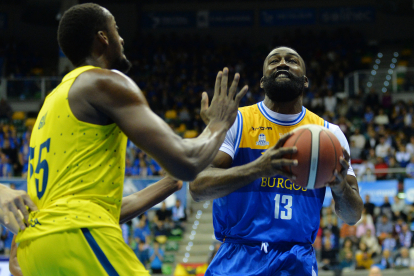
column 219, row 180
column 119, row 98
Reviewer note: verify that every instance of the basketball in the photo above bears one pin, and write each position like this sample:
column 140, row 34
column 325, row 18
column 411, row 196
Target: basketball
column 318, row 156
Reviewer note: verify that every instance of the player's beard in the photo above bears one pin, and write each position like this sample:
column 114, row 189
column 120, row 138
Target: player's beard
column 122, row 64
column 283, row 90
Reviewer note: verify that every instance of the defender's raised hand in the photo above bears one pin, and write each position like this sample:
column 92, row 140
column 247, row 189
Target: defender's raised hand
column 225, row 102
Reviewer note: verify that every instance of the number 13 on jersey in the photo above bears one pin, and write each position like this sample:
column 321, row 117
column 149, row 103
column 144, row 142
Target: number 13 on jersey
column 40, row 165
column 286, row 212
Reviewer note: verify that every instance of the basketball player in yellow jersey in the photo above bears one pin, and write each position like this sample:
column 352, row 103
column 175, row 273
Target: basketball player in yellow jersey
column 273, row 230
column 77, row 153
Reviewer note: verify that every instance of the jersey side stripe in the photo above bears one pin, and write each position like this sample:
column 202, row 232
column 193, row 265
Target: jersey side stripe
column 239, row 132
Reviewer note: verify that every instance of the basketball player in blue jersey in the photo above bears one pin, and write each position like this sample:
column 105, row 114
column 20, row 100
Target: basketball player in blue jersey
column 267, row 223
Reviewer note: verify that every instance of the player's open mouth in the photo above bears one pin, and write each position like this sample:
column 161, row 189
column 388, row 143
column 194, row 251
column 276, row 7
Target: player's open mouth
column 282, row 75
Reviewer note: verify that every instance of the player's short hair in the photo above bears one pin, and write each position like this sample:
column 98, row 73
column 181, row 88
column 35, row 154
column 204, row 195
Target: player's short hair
column 303, row 62
column 77, row 29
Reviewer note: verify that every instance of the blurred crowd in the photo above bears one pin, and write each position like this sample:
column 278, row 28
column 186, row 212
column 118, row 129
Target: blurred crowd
column 383, row 237
column 154, row 233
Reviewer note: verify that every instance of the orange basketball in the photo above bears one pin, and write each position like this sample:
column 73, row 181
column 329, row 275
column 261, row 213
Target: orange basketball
column 318, row 156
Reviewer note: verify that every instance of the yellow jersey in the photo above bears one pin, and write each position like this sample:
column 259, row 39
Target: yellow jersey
column 76, row 169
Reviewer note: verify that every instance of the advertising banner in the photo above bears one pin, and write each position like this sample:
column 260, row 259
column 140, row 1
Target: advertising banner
column 377, row 190
column 154, row 20
column 287, row 17
column 207, row 19
column 347, row 15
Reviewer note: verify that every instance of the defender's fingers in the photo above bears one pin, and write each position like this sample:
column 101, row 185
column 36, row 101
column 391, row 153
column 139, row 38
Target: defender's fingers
column 17, row 216
column 28, row 201
column 241, row 94
column 217, row 85
column 204, row 101
column 234, row 84
column 22, row 207
column 224, row 82
column 6, row 212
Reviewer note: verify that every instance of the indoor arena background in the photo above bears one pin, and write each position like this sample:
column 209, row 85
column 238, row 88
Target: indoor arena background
column 360, row 63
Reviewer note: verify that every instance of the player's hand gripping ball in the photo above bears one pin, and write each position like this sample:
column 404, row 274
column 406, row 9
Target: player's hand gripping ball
column 318, row 156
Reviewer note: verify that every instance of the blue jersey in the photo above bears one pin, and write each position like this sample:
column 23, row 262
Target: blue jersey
column 268, row 209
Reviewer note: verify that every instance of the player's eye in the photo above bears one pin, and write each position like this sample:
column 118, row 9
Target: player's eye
column 273, row 61
column 293, row 60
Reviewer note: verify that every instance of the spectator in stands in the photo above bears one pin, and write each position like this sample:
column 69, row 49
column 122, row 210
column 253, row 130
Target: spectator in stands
column 178, row 213
column 363, row 257
column 392, row 164
column 328, row 256
column 346, row 249
column 389, row 243
column 385, row 208
column 384, row 227
column 356, row 153
column 156, row 257
column 6, row 169
column 316, row 104
column 142, row 231
column 402, row 156
column 382, row 149
column 371, row 243
column 381, row 165
column 386, row 260
column 344, row 125
column 330, row 101
column 398, row 208
column 358, row 138
column 348, row 231
column 410, row 146
column 363, row 226
column 403, row 260
column 374, row 271
column 381, row 118
column 142, row 252
column 410, row 167
column 348, row 262
column 405, row 236
column 368, row 115
column 162, row 220
column 410, row 213
column 369, row 206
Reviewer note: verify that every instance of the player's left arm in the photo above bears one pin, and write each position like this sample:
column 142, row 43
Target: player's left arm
column 14, row 266
column 345, row 191
column 139, row 202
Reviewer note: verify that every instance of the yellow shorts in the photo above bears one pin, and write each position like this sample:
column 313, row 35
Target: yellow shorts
column 84, row 252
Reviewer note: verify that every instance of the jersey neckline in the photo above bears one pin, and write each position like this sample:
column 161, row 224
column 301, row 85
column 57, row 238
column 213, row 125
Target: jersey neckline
column 281, row 119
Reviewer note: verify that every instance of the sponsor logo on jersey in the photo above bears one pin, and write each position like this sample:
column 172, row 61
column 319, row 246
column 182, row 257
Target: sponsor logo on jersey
column 281, row 183
column 262, row 140
column 262, row 128
column 42, row 121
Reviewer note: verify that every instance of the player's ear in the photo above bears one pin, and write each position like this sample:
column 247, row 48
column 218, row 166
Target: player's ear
column 306, row 81
column 103, row 38
column 261, row 82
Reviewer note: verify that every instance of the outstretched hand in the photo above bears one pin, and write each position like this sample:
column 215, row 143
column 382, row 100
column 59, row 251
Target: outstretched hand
column 13, row 203
column 225, row 102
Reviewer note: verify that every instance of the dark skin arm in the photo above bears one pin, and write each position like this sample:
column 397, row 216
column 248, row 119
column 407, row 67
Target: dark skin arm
column 220, row 180
column 216, row 181
column 103, row 97
column 345, row 192
column 139, row 202
column 13, row 263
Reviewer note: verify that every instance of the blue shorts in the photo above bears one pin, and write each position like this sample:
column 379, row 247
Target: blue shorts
column 235, row 258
